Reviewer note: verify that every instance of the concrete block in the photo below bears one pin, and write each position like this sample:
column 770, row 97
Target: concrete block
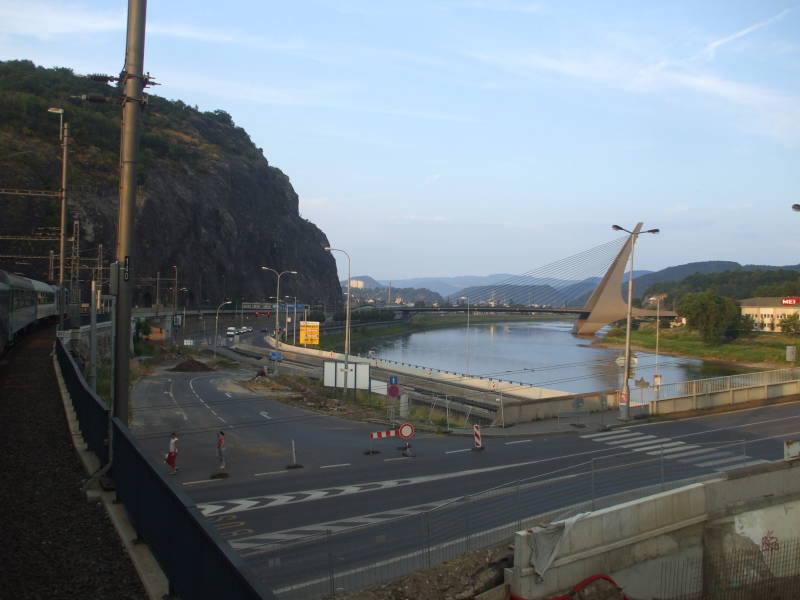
column 612, row 529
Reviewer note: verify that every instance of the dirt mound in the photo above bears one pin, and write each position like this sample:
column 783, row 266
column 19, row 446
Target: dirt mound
column 191, row 365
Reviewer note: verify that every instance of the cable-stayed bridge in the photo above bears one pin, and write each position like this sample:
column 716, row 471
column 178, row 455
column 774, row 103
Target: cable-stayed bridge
column 587, row 284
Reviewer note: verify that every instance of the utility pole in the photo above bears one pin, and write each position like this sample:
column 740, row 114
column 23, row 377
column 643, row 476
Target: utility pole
column 61, row 238
column 74, row 268
column 133, row 80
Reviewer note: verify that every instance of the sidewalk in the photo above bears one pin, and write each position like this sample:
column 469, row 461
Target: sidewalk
column 581, row 425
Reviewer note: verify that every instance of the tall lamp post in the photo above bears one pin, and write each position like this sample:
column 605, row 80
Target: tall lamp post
column 624, row 406
column 174, row 305
column 63, row 136
column 657, row 299
column 346, row 319
column 216, row 325
column 278, row 300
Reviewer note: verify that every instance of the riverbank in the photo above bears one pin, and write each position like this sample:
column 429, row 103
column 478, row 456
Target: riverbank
column 755, row 350
column 364, row 338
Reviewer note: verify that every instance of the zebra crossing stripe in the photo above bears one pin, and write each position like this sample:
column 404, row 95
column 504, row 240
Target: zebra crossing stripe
column 631, row 437
column 646, row 448
column 695, row 459
column 655, row 441
column 679, row 448
column 697, row 450
column 604, row 434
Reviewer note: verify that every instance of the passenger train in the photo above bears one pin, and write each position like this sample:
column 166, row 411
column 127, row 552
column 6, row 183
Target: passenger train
column 23, row 303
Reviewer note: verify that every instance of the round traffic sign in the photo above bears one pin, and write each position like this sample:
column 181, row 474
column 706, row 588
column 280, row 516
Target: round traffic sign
column 406, row 430
column 393, row 391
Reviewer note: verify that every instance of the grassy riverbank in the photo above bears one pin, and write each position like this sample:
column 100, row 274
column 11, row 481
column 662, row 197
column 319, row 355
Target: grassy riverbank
column 426, row 322
column 762, row 349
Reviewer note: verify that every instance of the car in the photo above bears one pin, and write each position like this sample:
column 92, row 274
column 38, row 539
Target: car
column 231, row 331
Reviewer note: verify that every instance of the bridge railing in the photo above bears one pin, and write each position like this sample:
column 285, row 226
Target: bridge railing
column 714, row 385
column 197, row 562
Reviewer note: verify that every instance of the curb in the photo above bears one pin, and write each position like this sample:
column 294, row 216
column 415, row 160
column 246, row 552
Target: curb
column 150, row 574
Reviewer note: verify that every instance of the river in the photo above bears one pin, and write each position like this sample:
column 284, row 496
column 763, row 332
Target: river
column 542, row 353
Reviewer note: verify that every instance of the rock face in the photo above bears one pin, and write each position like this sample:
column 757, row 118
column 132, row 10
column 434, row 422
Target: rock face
column 208, row 201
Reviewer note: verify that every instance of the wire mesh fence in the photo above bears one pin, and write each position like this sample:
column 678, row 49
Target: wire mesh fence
column 350, row 556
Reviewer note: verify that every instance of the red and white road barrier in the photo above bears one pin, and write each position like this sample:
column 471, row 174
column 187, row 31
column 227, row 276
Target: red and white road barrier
column 476, row 436
column 383, row 434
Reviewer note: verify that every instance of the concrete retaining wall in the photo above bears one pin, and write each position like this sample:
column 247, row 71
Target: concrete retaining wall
column 712, row 400
column 632, row 542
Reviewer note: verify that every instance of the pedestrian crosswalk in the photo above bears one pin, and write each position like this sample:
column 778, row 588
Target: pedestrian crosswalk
column 718, row 457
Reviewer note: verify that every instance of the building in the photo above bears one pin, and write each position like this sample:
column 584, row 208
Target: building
column 768, row 313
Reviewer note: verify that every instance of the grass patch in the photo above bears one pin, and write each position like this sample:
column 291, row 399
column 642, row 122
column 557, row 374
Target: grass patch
column 752, row 348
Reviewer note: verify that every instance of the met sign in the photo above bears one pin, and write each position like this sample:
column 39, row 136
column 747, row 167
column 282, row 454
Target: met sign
column 790, row 301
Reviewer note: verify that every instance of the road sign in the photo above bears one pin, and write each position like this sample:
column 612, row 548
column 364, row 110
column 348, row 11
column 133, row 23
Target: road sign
column 476, row 436
column 393, row 391
column 275, row 356
column 309, row 332
column 392, row 379
column 406, row 431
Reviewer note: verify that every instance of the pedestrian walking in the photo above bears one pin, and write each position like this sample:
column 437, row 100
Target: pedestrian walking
column 172, row 455
column 221, row 449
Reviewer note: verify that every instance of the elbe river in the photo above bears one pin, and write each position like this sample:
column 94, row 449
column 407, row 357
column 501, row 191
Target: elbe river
column 542, row 353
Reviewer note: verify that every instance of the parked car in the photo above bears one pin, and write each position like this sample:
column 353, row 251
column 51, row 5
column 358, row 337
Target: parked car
column 231, row 331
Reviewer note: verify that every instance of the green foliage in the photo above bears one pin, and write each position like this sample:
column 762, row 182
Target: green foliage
column 740, row 283
column 712, row 315
column 316, row 316
column 791, row 324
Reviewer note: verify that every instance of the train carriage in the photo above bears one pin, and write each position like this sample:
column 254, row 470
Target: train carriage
column 23, row 303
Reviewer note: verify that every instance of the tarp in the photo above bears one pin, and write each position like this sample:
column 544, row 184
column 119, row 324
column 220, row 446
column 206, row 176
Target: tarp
column 546, row 541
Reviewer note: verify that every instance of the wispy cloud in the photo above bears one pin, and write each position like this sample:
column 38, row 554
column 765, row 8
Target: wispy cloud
column 45, row 20
column 710, row 50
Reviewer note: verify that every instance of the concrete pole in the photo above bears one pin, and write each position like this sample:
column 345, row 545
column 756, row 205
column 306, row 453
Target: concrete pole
column 174, row 306
column 133, row 84
column 93, row 337
column 624, row 406
column 61, row 237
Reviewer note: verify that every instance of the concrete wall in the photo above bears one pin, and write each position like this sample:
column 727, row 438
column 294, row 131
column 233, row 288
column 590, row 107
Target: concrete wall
column 711, row 400
column 755, row 508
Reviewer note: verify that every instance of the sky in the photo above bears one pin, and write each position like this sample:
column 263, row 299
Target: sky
column 469, row 137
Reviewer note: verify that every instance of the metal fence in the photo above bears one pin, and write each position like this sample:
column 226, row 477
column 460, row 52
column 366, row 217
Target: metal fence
column 196, row 560
column 680, row 389
column 770, row 571
column 342, row 560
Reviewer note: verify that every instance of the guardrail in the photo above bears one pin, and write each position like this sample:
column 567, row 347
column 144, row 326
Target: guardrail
column 197, row 562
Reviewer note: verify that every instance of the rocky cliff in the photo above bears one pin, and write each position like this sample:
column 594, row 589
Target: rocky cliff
column 208, row 200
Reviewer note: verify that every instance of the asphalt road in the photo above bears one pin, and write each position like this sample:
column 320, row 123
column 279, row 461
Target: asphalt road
column 331, row 521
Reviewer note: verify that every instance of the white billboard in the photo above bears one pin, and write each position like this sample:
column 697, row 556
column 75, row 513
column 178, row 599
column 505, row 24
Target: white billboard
column 334, row 375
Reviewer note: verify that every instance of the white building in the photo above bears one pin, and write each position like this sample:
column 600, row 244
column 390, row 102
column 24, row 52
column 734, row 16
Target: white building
column 768, row 313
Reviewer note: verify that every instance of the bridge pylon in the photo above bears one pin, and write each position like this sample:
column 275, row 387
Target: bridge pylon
column 606, row 305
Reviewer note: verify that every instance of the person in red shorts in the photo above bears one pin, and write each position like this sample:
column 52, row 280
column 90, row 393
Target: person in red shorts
column 172, row 455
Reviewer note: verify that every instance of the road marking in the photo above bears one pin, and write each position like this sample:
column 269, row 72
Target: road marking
column 721, row 461
column 683, row 447
column 604, row 434
column 455, row 451
column 518, row 442
column 654, row 446
column 227, row 394
column 269, row 473
column 400, row 458
column 334, row 466
column 646, row 443
column 200, row 481
column 629, row 438
column 265, row 414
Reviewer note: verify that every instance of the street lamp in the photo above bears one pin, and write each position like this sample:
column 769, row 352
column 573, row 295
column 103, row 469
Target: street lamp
column 347, row 317
column 657, row 299
column 796, row 207
column 63, row 137
column 216, row 323
column 174, row 304
column 277, row 300
column 624, row 407
column 183, row 319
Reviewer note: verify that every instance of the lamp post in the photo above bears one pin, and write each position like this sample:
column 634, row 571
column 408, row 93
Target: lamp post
column 183, row 319
column 294, row 320
column 63, row 137
column 624, row 406
column 216, row 325
column 346, row 319
column 657, row 299
column 277, row 300
column 174, row 304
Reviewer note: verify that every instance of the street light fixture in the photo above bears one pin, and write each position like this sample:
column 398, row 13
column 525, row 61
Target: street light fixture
column 216, row 324
column 624, row 406
column 277, row 300
column 346, row 319
column 796, row 207
column 657, row 299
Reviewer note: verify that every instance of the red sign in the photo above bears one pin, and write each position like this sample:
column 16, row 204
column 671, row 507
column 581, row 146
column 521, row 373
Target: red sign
column 406, row 430
column 393, row 391
column 790, row 301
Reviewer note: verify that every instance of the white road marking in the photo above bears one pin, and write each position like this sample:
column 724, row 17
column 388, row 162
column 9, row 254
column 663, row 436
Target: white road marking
column 456, row 451
column 399, row 458
column 269, row 473
column 628, row 439
column 334, row 466
column 200, row 481
column 654, row 446
column 721, row 461
column 518, row 442
column 265, row 414
column 227, row 394
column 604, row 434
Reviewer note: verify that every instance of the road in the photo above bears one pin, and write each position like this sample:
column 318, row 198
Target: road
column 327, row 524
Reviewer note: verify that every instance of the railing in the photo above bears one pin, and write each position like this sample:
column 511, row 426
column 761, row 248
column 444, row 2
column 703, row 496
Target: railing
column 196, row 560
column 680, row 389
column 343, row 561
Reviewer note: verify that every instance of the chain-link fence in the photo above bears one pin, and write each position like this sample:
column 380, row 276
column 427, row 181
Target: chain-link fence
column 353, row 554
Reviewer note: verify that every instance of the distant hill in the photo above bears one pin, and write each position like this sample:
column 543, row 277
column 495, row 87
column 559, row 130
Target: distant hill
column 447, row 286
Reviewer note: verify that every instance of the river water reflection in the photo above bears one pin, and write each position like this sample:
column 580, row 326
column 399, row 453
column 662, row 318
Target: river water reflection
column 542, row 353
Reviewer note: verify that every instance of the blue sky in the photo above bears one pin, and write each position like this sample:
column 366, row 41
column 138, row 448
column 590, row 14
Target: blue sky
column 453, row 137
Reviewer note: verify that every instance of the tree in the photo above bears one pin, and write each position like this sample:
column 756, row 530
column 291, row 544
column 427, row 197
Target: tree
column 714, row 316
column 791, row 324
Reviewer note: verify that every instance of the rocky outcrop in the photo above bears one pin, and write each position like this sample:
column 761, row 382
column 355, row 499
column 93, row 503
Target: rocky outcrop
column 208, row 201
